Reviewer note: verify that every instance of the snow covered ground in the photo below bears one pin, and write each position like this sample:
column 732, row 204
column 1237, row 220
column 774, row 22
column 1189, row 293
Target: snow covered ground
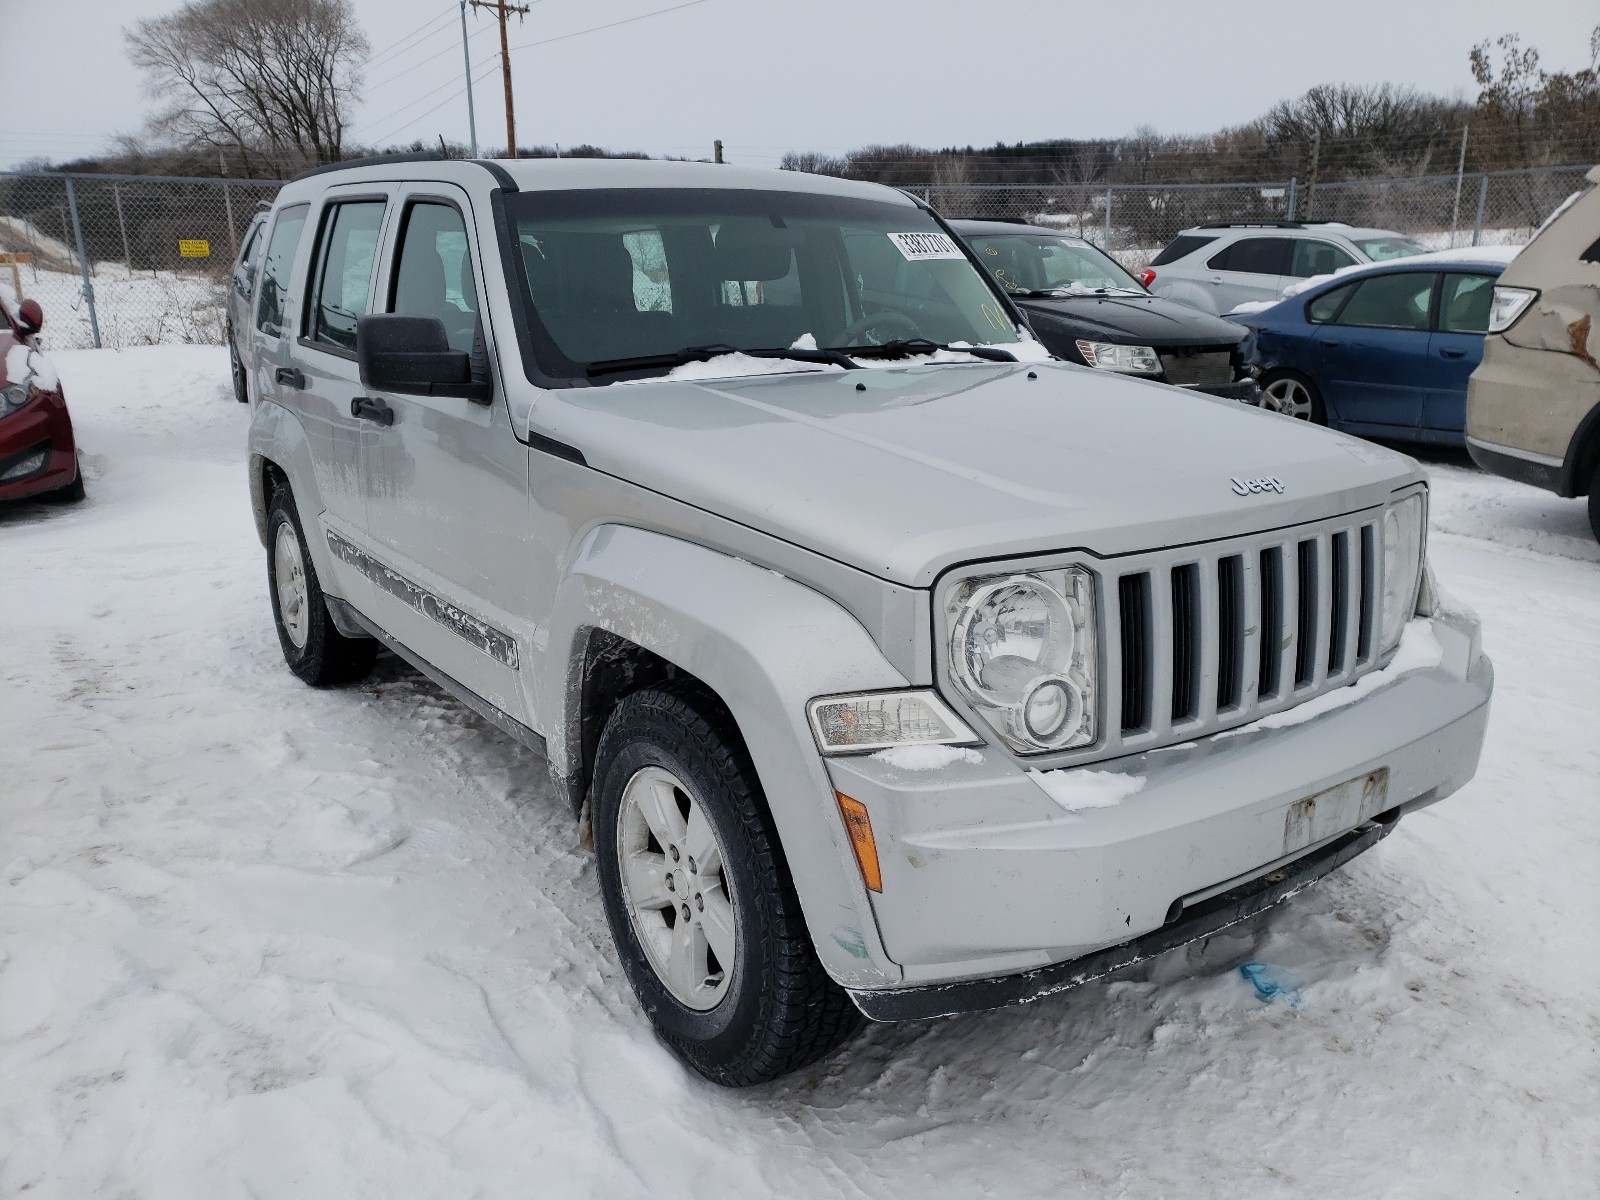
column 263, row 941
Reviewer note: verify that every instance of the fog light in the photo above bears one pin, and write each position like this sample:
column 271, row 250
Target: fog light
column 31, row 465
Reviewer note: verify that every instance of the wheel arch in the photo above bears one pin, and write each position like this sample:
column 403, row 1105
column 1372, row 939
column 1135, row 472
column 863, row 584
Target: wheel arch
column 636, row 607
column 1582, row 460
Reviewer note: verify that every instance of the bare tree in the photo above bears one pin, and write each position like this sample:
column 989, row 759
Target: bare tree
column 269, row 80
column 813, row 163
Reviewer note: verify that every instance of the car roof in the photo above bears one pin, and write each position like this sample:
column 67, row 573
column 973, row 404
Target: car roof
column 1001, row 228
column 582, row 174
column 1290, row 229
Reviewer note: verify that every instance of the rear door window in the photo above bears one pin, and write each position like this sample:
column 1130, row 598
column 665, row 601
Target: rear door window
column 1326, row 306
column 1181, row 247
column 345, row 257
column 1253, row 256
column 1398, row 301
column 275, row 268
column 1464, row 303
column 1313, row 257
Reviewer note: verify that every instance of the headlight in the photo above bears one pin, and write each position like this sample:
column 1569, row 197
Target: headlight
column 872, row 721
column 1402, row 567
column 1022, row 650
column 1509, row 303
column 14, row 397
column 1130, row 360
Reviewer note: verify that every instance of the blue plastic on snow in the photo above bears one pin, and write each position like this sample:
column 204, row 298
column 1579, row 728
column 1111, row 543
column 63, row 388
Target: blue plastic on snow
column 1268, row 987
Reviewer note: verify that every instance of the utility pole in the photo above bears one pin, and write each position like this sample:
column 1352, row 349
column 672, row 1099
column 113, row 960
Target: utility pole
column 501, row 9
column 716, row 150
column 466, row 62
column 1311, row 184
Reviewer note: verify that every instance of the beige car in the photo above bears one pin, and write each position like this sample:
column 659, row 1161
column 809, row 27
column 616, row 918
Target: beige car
column 1533, row 405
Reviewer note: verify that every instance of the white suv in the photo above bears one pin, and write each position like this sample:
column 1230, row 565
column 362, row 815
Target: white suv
column 1216, row 267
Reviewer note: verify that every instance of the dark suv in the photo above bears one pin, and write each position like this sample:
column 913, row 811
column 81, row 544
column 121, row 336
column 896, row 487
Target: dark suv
column 1087, row 309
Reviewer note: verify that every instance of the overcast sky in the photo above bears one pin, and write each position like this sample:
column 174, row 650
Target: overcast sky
column 809, row 74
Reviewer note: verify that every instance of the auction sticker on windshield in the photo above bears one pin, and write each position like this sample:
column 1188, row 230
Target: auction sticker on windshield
column 916, row 247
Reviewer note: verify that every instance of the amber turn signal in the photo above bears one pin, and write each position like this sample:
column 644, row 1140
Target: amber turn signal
column 859, row 826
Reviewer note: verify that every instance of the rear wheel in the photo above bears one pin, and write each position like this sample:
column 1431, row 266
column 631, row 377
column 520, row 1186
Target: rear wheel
column 1293, row 395
column 312, row 645
column 1594, row 504
column 702, row 910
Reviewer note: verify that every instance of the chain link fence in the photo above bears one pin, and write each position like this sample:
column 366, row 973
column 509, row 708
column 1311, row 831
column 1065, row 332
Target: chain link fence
column 120, row 260
column 1134, row 221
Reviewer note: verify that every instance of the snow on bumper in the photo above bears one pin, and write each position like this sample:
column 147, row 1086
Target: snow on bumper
column 986, row 872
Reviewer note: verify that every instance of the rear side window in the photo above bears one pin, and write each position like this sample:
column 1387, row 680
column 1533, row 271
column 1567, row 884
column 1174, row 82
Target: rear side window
column 433, row 275
column 1253, row 256
column 1464, row 303
column 252, row 245
column 344, row 271
column 1326, row 306
column 1312, row 257
column 275, row 267
column 1181, row 247
column 1397, row 301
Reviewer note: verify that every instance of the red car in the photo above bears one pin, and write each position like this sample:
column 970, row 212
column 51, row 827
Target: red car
column 38, row 456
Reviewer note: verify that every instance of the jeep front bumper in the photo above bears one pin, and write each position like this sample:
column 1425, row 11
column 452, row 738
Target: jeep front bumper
column 994, row 894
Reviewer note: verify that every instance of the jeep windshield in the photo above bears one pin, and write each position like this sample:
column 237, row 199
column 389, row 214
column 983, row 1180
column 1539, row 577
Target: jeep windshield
column 1039, row 264
column 627, row 283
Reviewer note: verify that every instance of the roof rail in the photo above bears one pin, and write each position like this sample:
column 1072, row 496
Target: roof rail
column 501, row 175
column 1252, row 225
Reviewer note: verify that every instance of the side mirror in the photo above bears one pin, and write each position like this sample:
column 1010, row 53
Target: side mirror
column 31, row 316
column 412, row 356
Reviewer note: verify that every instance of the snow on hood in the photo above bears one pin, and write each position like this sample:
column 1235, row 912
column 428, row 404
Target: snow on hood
column 23, row 360
column 736, row 365
column 902, row 472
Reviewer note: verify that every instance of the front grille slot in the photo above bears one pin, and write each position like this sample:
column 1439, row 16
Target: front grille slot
column 1340, row 594
column 1185, row 642
column 1270, row 625
column 1133, row 599
column 1306, row 644
column 1230, row 631
column 1369, row 580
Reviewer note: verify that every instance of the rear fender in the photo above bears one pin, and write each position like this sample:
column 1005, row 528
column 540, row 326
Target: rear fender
column 765, row 645
column 276, row 437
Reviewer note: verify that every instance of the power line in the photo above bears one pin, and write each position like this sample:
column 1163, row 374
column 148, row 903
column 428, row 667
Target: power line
column 609, row 25
column 459, row 92
column 392, row 47
column 405, row 71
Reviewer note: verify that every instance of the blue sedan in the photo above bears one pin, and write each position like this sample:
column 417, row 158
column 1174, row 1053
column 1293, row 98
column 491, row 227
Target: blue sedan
column 1382, row 351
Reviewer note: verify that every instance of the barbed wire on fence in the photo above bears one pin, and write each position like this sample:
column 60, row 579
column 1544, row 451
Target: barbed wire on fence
column 126, row 260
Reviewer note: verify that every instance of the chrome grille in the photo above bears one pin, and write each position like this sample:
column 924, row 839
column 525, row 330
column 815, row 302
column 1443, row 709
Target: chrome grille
column 1213, row 636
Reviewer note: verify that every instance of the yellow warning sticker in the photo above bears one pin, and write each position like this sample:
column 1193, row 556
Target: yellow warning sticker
column 194, row 248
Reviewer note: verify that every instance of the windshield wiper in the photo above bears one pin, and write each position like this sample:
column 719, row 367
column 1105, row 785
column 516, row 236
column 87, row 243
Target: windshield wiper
column 689, row 354
column 906, row 347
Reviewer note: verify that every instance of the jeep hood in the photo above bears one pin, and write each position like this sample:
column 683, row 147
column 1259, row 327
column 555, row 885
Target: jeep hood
column 907, row 471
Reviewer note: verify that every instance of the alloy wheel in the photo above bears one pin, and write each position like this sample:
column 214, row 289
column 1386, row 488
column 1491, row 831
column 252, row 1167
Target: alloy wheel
column 289, row 572
column 675, row 888
column 1289, row 397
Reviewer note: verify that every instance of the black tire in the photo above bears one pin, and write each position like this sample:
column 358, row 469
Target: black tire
column 72, row 493
column 1594, row 504
column 241, row 389
column 780, row 1012
column 326, row 657
column 1319, row 412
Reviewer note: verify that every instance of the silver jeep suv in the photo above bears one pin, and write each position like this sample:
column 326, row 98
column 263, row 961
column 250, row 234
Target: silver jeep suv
column 1217, row 267
column 893, row 667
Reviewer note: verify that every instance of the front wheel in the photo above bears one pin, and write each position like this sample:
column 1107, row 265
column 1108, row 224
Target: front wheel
column 1594, row 504
column 312, row 645
column 702, row 910
column 1293, row 395
column 241, row 389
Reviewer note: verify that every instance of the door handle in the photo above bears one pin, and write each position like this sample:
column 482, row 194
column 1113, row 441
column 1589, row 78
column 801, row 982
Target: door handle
column 1452, row 353
column 290, row 377
column 1329, row 344
column 370, row 408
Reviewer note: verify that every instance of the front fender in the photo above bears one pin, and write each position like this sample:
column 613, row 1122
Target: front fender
column 766, row 645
